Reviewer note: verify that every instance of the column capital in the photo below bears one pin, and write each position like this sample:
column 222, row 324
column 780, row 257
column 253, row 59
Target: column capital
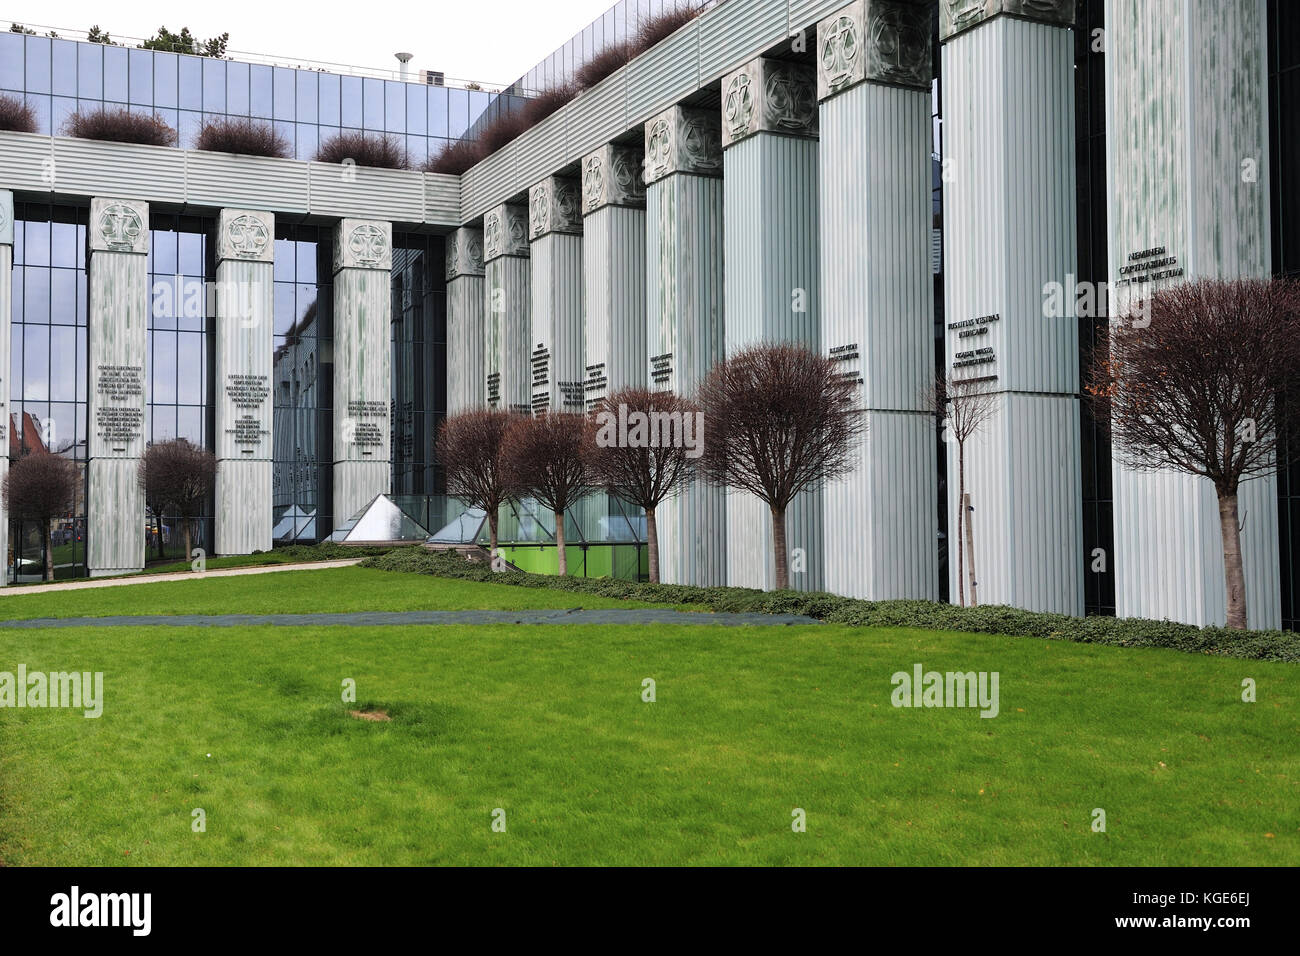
column 683, row 140
column 554, row 206
column 876, row 41
column 119, row 225
column 956, row 16
column 505, row 232
column 611, row 176
column 769, row 96
column 245, row 234
column 363, row 244
column 6, row 218
column 464, row 252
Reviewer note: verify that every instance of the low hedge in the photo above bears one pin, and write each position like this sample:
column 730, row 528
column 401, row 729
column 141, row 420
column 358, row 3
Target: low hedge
column 833, row 609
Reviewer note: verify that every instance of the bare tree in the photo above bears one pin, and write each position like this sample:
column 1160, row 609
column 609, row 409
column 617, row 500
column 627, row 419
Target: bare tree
column 470, row 447
column 544, row 460
column 778, row 419
column 642, row 446
column 177, row 476
column 40, row 488
column 1206, row 387
column 962, row 406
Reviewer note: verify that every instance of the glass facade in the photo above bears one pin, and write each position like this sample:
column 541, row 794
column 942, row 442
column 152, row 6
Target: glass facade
column 59, row 77
column 48, row 376
column 620, row 22
column 1284, row 139
column 1090, row 176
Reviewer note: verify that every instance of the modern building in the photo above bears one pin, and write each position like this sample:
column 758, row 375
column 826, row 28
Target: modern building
column 901, row 185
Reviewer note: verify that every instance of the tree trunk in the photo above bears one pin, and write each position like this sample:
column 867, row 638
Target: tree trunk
column 158, row 523
column 970, row 550
column 652, row 543
column 559, row 543
column 778, row 549
column 1234, row 577
column 185, row 523
column 961, row 526
column 493, row 518
column 49, row 552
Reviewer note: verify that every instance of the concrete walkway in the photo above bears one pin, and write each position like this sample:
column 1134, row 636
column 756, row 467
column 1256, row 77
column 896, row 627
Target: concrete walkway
column 175, row 576
column 399, row 618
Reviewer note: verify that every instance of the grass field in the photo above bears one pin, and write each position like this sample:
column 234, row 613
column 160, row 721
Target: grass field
column 294, row 592
column 548, row 724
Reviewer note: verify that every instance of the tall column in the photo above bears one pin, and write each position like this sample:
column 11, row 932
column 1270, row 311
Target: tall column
column 555, row 253
column 1187, row 164
column 613, row 209
column 1009, row 236
column 506, row 355
column 6, row 306
column 465, row 331
column 685, row 335
column 117, row 338
column 245, row 332
column 769, row 130
column 363, row 376
column 877, row 290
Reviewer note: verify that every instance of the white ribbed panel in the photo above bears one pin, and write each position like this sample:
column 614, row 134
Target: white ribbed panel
column 359, row 191
column 26, row 160
column 89, row 167
column 243, row 505
column 1009, row 210
column 363, row 386
column 506, row 352
column 465, row 335
column 556, row 351
column 665, row 74
column 1009, row 231
column 770, row 251
column 243, row 440
column 614, row 268
column 247, row 182
column 732, row 32
column 1187, row 103
column 878, row 315
column 1022, row 475
column 118, row 320
column 684, row 327
column 597, row 115
column 6, row 307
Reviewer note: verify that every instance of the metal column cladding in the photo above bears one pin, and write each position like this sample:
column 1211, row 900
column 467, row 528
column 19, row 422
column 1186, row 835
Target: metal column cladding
column 1187, row 165
column 877, row 294
column 1009, row 234
column 118, row 338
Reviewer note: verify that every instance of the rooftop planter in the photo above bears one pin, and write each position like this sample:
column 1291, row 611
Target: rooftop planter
column 210, row 180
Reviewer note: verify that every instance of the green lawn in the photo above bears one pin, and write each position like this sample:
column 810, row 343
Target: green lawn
column 548, row 724
column 293, row 592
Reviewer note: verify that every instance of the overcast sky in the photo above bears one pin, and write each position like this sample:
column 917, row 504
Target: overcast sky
column 494, row 41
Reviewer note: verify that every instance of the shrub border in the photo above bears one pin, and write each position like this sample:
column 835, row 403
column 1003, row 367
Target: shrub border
column 833, row 609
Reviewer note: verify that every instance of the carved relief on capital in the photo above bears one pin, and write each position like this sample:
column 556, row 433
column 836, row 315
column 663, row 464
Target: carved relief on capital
column 363, row 244
column 505, row 232
column 6, row 218
column 882, row 41
column 554, row 206
column 245, row 234
column 958, row 15
column 119, row 225
column 683, row 140
column 766, row 95
column 612, row 176
column 464, row 253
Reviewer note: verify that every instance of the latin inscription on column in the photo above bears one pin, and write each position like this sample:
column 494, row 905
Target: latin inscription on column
column 119, row 413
